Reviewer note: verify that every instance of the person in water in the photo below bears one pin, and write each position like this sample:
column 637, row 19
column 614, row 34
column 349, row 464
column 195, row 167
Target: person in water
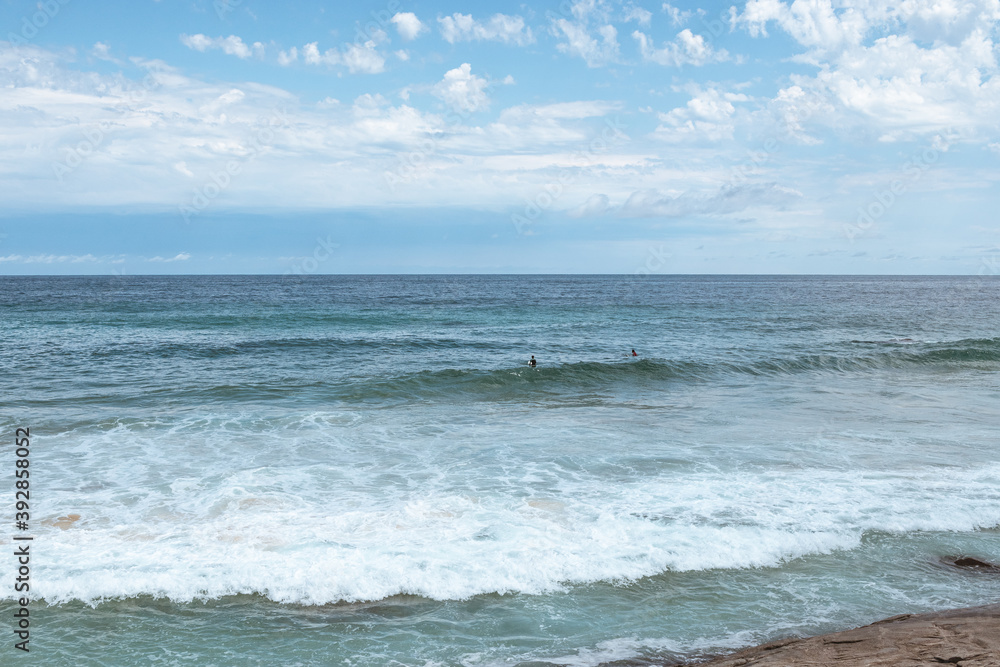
column 634, row 354
column 532, row 363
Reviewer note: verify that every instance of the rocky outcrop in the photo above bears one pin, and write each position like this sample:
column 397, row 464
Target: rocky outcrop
column 964, row 637
column 970, row 564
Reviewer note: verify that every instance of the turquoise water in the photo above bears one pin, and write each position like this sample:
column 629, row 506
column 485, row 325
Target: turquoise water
column 364, row 471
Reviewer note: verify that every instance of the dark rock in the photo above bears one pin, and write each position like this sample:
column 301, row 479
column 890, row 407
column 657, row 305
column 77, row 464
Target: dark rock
column 970, row 563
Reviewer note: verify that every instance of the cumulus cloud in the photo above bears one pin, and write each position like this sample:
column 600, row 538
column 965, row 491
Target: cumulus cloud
column 288, row 57
column 677, row 16
column 231, row 45
column 364, row 58
column 821, row 26
column 589, row 34
column 687, row 49
column 462, row 90
column 638, row 14
column 814, row 24
column 936, row 69
column 408, row 25
column 707, row 116
column 499, row 28
column 595, row 51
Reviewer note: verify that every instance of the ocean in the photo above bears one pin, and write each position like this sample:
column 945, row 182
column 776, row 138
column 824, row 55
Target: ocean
column 363, row 470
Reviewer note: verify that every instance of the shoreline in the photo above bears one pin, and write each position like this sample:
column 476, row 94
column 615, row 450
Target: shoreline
column 967, row 637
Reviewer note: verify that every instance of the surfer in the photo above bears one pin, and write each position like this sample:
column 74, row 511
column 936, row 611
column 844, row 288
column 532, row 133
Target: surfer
column 634, row 354
column 532, row 363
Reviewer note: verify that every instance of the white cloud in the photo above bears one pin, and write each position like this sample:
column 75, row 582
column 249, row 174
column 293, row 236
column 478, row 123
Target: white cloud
column 905, row 88
column 179, row 257
column 364, row 58
column 677, row 16
column 408, row 25
column 579, row 42
column 563, row 123
column 935, row 69
column 708, row 116
column 288, row 57
column 231, row 45
column 638, row 14
column 102, row 51
column 158, row 145
column 233, row 96
column 559, row 110
column 462, row 90
column 53, row 259
column 312, row 56
column 499, row 28
column 357, row 58
column 583, row 10
column 686, row 49
column 824, row 27
column 813, row 23
column 949, row 21
column 198, row 42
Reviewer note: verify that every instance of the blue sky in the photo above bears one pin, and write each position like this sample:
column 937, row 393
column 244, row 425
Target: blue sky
column 238, row 136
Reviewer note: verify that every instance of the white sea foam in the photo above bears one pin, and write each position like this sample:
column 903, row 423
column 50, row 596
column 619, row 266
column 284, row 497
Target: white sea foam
column 316, row 532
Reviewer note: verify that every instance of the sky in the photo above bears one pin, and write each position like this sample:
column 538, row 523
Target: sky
column 595, row 136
